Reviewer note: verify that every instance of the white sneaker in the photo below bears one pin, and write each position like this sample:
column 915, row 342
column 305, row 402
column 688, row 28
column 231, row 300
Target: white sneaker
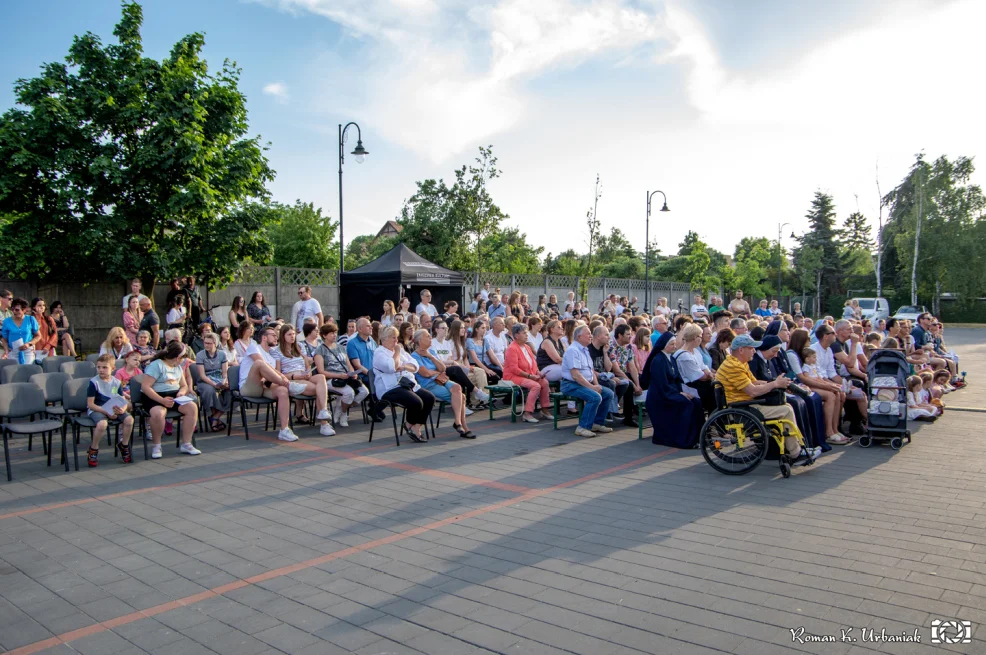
column 468, row 412
column 287, row 434
column 582, row 432
column 323, row 415
column 326, row 430
column 343, row 420
column 156, row 452
column 189, row 449
column 601, row 428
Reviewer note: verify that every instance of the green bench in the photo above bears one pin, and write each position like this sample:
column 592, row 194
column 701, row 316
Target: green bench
column 557, row 398
column 641, row 404
column 501, row 391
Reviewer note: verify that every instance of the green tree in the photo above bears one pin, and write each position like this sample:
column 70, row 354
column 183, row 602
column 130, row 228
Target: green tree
column 302, row 237
column 754, row 257
column 508, row 252
column 808, row 271
column 857, row 245
column 824, row 235
column 367, row 247
column 118, row 165
column 567, row 262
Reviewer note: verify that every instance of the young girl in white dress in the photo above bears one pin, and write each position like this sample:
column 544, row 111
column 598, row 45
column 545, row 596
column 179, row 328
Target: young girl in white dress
column 917, row 408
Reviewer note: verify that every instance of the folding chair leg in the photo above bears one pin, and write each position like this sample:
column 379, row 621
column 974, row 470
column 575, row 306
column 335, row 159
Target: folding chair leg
column 47, row 445
column 75, row 444
column 229, row 419
column 243, row 415
column 64, row 448
column 143, row 438
column 6, row 454
column 393, row 417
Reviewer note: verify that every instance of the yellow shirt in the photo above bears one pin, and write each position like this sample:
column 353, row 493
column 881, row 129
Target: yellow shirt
column 735, row 376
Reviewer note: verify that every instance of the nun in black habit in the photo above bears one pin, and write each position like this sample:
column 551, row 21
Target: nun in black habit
column 676, row 417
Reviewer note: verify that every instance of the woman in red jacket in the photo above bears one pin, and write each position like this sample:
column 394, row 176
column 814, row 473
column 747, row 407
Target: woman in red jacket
column 520, row 367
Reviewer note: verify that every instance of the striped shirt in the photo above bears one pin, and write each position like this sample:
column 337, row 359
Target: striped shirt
column 735, row 376
column 289, row 365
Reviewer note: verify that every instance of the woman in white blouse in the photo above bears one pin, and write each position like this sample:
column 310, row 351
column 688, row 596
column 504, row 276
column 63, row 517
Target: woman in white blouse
column 387, row 319
column 694, row 373
column 393, row 380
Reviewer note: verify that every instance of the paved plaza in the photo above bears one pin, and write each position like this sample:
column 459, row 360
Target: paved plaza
column 527, row 540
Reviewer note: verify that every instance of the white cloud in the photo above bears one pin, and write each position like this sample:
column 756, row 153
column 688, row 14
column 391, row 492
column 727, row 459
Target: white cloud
column 278, row 90
column 445, row 76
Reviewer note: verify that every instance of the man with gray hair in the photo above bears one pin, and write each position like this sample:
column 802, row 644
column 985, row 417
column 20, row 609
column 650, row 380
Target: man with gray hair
column 579, row 380
column 496, row 308
column 660, row 325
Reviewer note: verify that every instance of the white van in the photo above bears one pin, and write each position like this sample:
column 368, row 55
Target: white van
column 874, row 308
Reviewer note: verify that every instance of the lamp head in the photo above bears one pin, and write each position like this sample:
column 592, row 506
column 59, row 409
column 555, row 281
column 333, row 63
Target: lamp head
column 665, row 207
column 360, row 152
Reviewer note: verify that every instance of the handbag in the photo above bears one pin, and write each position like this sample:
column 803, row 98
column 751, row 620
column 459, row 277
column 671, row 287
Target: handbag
column 775, row 397
column 406, row 383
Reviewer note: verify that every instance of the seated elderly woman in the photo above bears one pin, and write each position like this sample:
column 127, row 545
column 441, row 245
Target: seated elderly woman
column 677, row 417
column 432, row 377
column 696, row 377
column 520, row 367
column 394, row 381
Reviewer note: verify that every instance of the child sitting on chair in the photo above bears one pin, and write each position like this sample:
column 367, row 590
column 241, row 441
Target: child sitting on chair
column 102, row 389
column 917, row 410
column 130, row 368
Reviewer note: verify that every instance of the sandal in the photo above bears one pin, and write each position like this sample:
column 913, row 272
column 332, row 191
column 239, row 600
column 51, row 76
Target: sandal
column 838, row 440
column 468, row 434
column 216, row 425
column 412, row 435
column 458, row 428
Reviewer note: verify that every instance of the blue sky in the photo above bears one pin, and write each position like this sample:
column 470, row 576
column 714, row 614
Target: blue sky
column 739, row 111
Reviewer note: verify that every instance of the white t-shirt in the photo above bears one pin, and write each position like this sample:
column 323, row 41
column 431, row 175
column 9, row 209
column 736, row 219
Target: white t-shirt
column 662, row 310
column 485, row 293
column 428, row 309
column 306, row 308
column 498, row 344
column 246, row 363
column 443, row 350
column 535, row 341
column 620, row 309
column 175, row 316
column 698, row 309
column 289, row 365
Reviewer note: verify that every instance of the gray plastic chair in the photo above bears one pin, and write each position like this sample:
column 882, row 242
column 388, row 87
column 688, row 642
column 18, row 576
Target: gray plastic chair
column 233, row 375
column 85, row 370
column 92, row 357
column 54, row 363
column 51, row 385
column 19, row 373
column 23, row 400
column 75, row 400
column 4, row 363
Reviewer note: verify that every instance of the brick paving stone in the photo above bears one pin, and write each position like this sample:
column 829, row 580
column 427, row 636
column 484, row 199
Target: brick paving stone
column 664, row 557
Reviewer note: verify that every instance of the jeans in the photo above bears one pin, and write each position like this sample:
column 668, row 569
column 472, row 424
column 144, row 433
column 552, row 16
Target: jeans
column 596, row 405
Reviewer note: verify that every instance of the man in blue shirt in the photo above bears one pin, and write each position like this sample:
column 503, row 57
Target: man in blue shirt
column 921, row 334
column 579, row 380
column 360, row 349
column 496, row 308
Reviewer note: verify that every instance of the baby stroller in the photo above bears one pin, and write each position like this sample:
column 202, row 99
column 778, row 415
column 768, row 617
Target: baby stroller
column 886, row 417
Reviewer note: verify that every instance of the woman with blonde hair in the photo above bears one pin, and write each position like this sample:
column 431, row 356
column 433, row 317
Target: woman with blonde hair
column 514, row 306
column 387, row 319
column 460, row 357
column 116, row 344
column 132, row 316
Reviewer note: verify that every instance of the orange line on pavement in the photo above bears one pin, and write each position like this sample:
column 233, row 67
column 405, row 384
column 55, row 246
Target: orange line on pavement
column 67, row 637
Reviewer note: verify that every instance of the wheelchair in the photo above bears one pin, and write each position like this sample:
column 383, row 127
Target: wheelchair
column 734, row 439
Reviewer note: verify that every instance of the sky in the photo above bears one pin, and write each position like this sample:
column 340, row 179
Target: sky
column 737, row 110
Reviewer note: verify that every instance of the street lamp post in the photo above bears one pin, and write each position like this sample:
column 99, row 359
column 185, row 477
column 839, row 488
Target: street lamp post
column 359, row 153
column 650, row 194
column 780, row 251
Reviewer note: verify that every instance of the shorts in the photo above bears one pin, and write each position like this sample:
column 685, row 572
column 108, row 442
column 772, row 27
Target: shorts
column 98, row 417
column 149, row 403
column 253, row 389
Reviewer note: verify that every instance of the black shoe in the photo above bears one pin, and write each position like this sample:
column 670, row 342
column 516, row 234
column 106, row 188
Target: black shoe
column 630, row 423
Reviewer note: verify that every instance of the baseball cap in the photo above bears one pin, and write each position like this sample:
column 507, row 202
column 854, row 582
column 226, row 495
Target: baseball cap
column 743, row 341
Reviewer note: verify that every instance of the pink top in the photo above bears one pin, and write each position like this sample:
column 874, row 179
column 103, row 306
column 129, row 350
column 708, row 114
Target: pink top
column 124, row 377
column 639, row 357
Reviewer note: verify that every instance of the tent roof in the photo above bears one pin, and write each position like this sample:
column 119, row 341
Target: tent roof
column 412, row 268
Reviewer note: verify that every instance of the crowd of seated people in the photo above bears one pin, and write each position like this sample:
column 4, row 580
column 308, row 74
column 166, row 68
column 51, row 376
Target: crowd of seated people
column 608, row 361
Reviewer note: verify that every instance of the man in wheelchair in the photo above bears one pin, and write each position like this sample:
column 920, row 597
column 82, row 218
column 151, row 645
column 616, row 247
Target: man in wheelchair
column 741, row 387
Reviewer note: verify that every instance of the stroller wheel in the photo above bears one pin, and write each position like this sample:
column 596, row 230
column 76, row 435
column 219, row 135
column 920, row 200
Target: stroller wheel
column 865, row 442
column 896, row 443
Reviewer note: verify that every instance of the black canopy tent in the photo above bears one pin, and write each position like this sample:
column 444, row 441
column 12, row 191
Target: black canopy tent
column 396, row 273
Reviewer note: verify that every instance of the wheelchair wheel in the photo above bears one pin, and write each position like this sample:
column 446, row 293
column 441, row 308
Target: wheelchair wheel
column 785, row 467
column 719, row 441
